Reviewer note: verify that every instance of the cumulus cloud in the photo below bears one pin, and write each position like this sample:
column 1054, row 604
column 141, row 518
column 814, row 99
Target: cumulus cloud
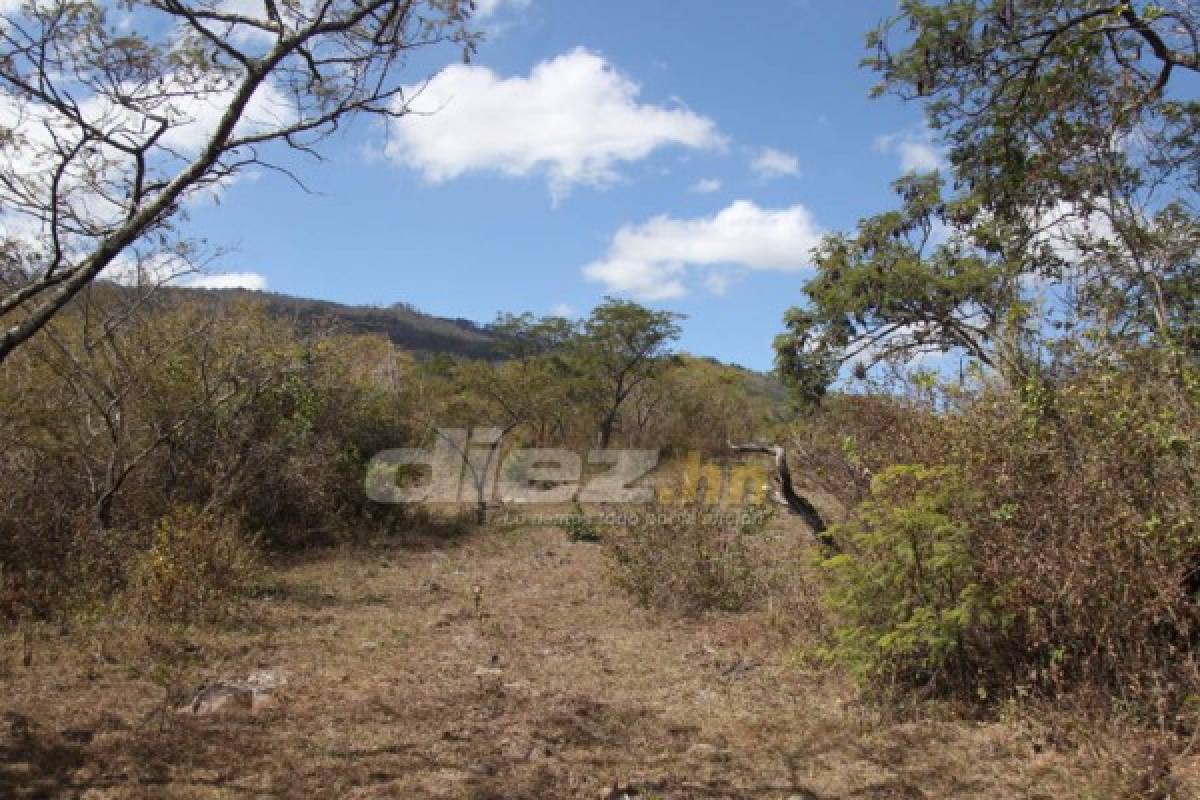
column 195, row 116
column 772, row 163
column 717, row 282
column 917, row 152
column 706, row 186
column 651, row 261
column 247, row 34
column 192, row 112
column 1069, row 229
column 228, row 280
column 574, row 119
column 563, row 310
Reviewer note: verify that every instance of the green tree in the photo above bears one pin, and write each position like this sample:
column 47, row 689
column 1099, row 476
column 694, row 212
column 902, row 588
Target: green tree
column 526, row 335
column 621, row 346
column 1072, row 206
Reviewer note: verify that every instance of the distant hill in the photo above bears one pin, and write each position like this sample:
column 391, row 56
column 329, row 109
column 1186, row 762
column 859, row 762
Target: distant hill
column 404, row 325
column 415, row 331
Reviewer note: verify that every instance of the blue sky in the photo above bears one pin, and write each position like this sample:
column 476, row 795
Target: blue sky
column 685, row 155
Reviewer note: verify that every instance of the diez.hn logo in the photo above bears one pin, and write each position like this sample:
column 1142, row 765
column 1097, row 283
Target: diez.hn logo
column 466, row 466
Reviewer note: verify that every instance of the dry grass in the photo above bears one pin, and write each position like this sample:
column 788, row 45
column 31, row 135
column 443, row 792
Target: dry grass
column 505, row 665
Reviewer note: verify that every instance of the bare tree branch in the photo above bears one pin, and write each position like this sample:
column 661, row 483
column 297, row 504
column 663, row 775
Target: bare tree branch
column 107, row 133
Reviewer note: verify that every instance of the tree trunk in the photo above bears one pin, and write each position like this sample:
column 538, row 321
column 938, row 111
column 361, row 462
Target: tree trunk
column 606, row 429
column 789, row 497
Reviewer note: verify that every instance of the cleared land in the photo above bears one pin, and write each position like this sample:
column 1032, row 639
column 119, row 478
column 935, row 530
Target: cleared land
column 504, row 664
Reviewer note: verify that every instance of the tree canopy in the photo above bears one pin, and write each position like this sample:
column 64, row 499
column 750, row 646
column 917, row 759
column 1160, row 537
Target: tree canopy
column 1067, row 205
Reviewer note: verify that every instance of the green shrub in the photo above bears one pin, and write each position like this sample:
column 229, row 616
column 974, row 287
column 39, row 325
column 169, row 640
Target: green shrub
column 906, row 588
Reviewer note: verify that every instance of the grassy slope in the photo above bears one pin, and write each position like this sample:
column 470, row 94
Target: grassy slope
column 553, row 686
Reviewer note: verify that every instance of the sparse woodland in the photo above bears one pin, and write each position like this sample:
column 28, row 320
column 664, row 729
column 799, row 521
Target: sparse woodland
column 989, row 395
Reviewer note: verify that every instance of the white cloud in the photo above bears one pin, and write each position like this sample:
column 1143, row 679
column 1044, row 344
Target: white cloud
column 131, row 268
column 706, row 186
column 651, row 261
column 196, row 116
column 717, row 282
column 488, row 8
column 165, row 268
column 228, row 280
column 562, row 310
column 917, row 153
column 648, row 280
column 1064, row 226
column 772, row 163
column 910, row 341
column 574, row 119
column 918, row 157
column 253, row 9
column 32, row 151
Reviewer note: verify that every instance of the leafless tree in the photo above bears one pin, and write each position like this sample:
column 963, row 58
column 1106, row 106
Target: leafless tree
column 113, row 116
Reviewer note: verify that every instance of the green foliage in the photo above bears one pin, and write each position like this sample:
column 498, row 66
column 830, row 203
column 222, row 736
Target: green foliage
column 893, row 291
column 1044, row 537
column 808, row 355
column 1046, row 540
column 1055, row 229
column 524, row 335
column 700, row 405
column 621, row 346
column 999, row 76
column 562, row 381
column 580, row 528
column 906, row 589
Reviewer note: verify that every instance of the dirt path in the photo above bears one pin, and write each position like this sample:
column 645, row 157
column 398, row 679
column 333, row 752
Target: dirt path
column 501, row 666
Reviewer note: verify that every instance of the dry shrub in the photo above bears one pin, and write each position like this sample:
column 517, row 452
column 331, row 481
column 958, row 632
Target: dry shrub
column 105, row 428
column 1090, row 530
column 849, row 437
column 422, row 524
column 692, row 558
column 195, row 568
column 1048, row 544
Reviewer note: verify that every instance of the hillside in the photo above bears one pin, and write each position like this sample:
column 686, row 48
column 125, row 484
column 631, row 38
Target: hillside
column 426, row 334
column 404, row 325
